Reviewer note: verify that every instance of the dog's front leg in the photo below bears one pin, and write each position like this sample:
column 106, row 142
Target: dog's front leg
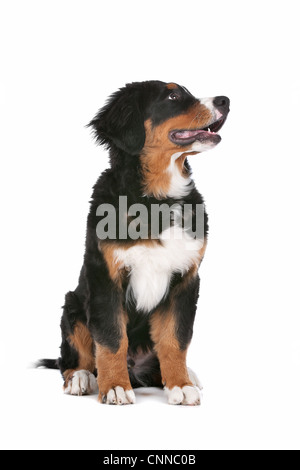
column 171, row 332
column 113, row 379
column 108, row 324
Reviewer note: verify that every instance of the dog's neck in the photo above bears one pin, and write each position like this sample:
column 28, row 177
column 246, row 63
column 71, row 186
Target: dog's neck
column 158, row 174
column 165, row 174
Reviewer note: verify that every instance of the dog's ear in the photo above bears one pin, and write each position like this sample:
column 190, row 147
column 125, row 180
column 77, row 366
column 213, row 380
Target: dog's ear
column 120, row 122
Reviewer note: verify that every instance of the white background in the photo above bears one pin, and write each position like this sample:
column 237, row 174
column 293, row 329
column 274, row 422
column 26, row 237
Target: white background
column 59, row 62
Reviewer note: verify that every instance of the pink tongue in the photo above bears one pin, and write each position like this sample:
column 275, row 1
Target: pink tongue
column 187, row 134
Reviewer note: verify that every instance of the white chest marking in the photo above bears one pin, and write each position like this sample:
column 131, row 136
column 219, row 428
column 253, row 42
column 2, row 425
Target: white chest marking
column 151, row 268
column 180, row 186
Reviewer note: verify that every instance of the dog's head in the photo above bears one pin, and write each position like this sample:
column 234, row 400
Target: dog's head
column 159, row 122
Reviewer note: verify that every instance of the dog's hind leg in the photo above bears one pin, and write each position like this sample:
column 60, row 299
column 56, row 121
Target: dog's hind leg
column 77, row 362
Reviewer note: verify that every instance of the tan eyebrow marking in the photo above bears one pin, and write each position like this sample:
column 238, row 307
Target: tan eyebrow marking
column 172, row 86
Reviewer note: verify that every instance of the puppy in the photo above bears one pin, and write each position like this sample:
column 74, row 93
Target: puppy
column 130, row 320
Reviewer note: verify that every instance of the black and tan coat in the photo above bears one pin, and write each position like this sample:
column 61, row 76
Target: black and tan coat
column 130, row 320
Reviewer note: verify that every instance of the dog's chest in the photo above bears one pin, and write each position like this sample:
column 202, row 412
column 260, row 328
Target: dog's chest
column 151, row 266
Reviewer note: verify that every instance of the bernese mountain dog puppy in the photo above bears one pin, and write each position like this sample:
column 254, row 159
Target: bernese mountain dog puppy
column 130, row 320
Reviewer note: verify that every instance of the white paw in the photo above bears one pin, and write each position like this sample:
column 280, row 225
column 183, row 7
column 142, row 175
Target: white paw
column 119, row 396
column 187, row 395
column 194, row 379
column 83, row 382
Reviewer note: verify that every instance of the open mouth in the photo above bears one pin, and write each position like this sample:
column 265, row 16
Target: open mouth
column 206, row 134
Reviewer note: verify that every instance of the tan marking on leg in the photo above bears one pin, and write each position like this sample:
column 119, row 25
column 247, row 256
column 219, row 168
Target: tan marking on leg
column 164, row 335
column 82, row 341
column 112, row 367
column 172, row 359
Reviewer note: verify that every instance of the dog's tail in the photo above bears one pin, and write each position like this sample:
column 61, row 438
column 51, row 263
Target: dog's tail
column 48, row 363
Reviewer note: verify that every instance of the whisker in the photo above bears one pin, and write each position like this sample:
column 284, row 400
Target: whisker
column 198, row 120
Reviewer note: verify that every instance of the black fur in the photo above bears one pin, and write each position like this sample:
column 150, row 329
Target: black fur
column 97, row 301
column 48, row 363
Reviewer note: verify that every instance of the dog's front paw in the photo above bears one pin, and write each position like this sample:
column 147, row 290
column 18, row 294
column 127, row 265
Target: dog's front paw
column 118, row 396
column 187, row 395
column 82, row 382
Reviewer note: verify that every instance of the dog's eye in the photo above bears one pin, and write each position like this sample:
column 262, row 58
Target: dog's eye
column 174, row 96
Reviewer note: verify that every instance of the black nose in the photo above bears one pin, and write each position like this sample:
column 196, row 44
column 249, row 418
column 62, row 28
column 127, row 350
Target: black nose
column 222, row 103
